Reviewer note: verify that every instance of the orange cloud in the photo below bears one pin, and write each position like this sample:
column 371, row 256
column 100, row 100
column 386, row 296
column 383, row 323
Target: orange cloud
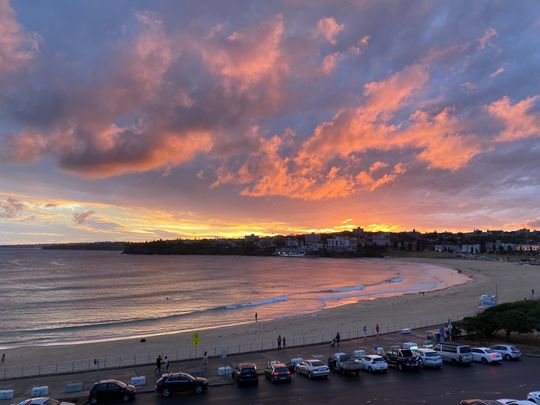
column 328, row 28
column 519, row 122
column 329, row 62
column 249, row 55
column 24, row 147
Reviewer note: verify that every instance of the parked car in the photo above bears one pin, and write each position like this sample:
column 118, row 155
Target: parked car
column 245, row 373
column 293, row 363
column 479, row 402
column 403, row 359
column 44, row 401
column 374, row 363
column 485, row 355
column 454, row 353
column 276, row 371
column 313, row 368
column 429, row 357
column 343, row 363
column 514, row 402
column 174, row 383
column 508, row 352
column 534, row 397
column 111, row 390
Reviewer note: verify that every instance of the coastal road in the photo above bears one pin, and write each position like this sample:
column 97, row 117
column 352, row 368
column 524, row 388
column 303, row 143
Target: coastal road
column 438, row 387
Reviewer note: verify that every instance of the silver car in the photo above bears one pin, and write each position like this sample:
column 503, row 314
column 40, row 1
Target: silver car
column 508, row 352
column 313, row 369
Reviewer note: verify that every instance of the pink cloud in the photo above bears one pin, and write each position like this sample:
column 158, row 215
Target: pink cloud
column 10, row 208
column 519, row 122
column 329, row 29
column 81, row 218
column 24, row 147
column 246, row 55
column 329, row 62
column 485, row 40
column 17, row 47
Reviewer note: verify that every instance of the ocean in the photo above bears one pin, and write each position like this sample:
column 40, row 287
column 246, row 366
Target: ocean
column 56, row 297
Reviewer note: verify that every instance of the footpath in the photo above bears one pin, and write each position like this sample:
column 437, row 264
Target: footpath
column 57, row 384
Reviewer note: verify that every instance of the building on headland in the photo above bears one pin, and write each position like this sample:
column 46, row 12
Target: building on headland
column 446, row 247
column 474, row 248
column 251, row 238
column 313, row 242
column 381, row 239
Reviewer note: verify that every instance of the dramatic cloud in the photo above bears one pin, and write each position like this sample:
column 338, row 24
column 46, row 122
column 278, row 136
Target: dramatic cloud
column 276, row 112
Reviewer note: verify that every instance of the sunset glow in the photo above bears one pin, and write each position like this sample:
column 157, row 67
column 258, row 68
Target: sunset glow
column 138, row 120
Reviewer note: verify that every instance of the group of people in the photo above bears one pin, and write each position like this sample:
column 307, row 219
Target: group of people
column 162, row 364
column 281, row 342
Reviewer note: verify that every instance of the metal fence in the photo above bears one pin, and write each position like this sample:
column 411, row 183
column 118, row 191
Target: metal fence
column 194, row 352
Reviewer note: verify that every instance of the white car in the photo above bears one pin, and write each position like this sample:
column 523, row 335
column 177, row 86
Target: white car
column 429, row 357
column 44, row 401
column 515, row 402
column 534, row 397
column 373, row 363
column 508, row 352
column 313, row 369
column 485, row 355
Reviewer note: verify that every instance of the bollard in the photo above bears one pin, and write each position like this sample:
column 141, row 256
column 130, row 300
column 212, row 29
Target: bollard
column 73, row 387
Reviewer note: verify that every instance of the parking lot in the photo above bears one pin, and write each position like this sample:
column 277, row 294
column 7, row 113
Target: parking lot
column 511, row 379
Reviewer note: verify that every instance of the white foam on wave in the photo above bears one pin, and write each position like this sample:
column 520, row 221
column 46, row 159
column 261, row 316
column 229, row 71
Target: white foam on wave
column 257, row 303
column 395, row 280
column 358, row 287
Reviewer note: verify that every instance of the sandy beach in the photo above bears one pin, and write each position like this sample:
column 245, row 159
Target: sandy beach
column 512, row 281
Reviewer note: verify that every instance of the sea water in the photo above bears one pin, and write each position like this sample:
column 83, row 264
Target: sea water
column 55, row 296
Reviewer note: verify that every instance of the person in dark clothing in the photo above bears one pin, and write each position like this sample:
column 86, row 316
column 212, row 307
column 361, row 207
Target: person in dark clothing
column 279, row 342
column 337, row 338
column 158, row 364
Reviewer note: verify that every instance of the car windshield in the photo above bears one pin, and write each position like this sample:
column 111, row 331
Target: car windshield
column 316, row 363
column 406, row 353
column 248, row 370
column 282, row 369
column 465, row 349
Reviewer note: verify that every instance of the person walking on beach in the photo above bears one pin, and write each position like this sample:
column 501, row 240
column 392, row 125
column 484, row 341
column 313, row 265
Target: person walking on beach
column 158, row 365
column 256, row 317
column 337, row 339
column 365, row 331
column 279, row 342
column 284, row 342
column 166, row 364
column 377, row 329
column 3, row 362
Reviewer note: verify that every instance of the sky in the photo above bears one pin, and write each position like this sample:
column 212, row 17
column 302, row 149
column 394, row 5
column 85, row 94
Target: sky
column 136, row 120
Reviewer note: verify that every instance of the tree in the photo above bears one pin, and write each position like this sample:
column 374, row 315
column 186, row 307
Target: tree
column 514, row 320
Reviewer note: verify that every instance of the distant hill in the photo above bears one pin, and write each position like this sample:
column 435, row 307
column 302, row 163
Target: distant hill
column 116, row 246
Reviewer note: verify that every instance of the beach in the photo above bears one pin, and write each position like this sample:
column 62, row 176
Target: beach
column 511, row 280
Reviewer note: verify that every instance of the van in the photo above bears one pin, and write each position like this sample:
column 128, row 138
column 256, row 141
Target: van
column 454, row 353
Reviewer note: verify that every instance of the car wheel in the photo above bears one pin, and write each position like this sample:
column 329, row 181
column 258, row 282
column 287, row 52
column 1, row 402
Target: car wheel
column 165, row 393
column 309, row 375
column 198, row 390
column 125, row 397
column 93, row 400
column 483, row 360
column 370, row 370
column 400, row 367
column 507, row 357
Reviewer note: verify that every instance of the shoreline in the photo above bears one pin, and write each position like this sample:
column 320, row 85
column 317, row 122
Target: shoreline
column 514, row 282
column 442, row 277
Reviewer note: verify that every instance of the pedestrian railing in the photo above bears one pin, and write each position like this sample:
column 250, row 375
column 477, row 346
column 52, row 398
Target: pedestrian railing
column 193, row 352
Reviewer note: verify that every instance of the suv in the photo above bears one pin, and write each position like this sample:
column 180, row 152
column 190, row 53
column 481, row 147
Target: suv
column 245, row 373
column 453, row 353
column 403, row 359
column 276, row 371
column 180, row 382
column 111, row 390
